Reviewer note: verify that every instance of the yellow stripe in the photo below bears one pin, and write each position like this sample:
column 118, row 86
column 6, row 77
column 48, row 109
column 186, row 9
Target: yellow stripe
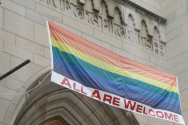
column 111, row 68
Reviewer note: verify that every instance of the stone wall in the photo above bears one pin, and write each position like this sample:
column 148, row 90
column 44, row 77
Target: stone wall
column 151, row 5
column 175, row 11
column 116, row 26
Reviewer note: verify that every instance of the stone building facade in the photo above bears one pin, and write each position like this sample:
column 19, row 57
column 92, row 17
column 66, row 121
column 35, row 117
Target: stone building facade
column 151, row 32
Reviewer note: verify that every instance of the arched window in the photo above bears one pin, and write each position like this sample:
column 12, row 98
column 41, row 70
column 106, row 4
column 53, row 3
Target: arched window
column 54, row 121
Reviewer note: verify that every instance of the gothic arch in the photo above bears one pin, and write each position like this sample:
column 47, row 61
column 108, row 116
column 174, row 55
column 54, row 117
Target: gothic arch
column 132, row 19
column 117, row 14
column 50, row 100
column 144, row 27
column 156, row 34
column 54, row 121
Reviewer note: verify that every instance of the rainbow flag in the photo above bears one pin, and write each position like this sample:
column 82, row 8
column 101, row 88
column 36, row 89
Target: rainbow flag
column 89, row 69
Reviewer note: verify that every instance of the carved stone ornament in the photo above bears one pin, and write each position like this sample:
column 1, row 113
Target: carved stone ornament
column 81, row 1
column 119, row 29
column 58, row 4
column 78, row 12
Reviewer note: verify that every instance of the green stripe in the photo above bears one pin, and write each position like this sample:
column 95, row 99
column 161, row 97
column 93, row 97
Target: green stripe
column 112, row 76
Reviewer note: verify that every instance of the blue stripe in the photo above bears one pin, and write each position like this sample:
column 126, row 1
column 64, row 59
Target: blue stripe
column 117, row 89
column 112, row 76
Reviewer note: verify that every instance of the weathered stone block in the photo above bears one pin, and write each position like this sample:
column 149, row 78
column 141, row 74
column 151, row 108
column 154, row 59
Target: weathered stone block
column 26, row 3
column 47, row 53
column 175, row 24
column 46, row 3
column 123, row 53
column 123, row 119
column 1, row 17
column 100, row 110
column 13, row 7
column 108, row 39
column 165, row 3
column 9, row 113
column 153, row 3
column 48, row 12
column 183, row 95
column 7, row 36
column 77, row 25
column 25, row 72
column 4, row 62
column 151, row 8
column 185, row 27
column 135, row 51
column 183, row 10
column 17, row 98
column 141, row 118
column 39, row 18
column 182, row 84
column 18, row 25
column 3, row 81
column 178, row 68
column 5, row 92
column 3, row 108
column 184, row 105
column 41, row 61
column 28, row 45
column 19, row 52
column 173, row 48
column 158, row 61
column 173, row 34
column 1, row 45
column 41, row 35
column 177, row 59
column 185, row 114
column 183, row 41
column 171, row 17
column 173, row 7
column 13, row 84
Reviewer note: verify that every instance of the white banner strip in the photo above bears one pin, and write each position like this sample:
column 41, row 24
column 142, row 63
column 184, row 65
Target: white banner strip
column 115, row 100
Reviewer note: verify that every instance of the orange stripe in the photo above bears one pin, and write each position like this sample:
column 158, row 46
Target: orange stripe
column 110, row 57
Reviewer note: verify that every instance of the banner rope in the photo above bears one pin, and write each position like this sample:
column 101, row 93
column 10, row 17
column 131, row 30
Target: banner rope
column 40, row 82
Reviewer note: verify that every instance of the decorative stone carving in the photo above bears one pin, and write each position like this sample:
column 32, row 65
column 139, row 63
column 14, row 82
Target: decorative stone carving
column 111, row 5
column 94, row 19
column 68, row 6
column 58, row 4
column 119, row 28
column 96, row 5
column 130, row 35
column 162, row 34
column 119, row 31
column 78, row 12
column 159, row 49
column 123, row 14
column 81, row 1
column 107, row 25
column 149, row 44
column 48, row 1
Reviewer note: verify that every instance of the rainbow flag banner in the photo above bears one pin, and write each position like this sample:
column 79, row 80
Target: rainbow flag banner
column 89, row 69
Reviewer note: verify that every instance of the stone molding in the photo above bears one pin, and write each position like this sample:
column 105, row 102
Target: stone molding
column 119, row 19
column 125, row 11
column 51, row 100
